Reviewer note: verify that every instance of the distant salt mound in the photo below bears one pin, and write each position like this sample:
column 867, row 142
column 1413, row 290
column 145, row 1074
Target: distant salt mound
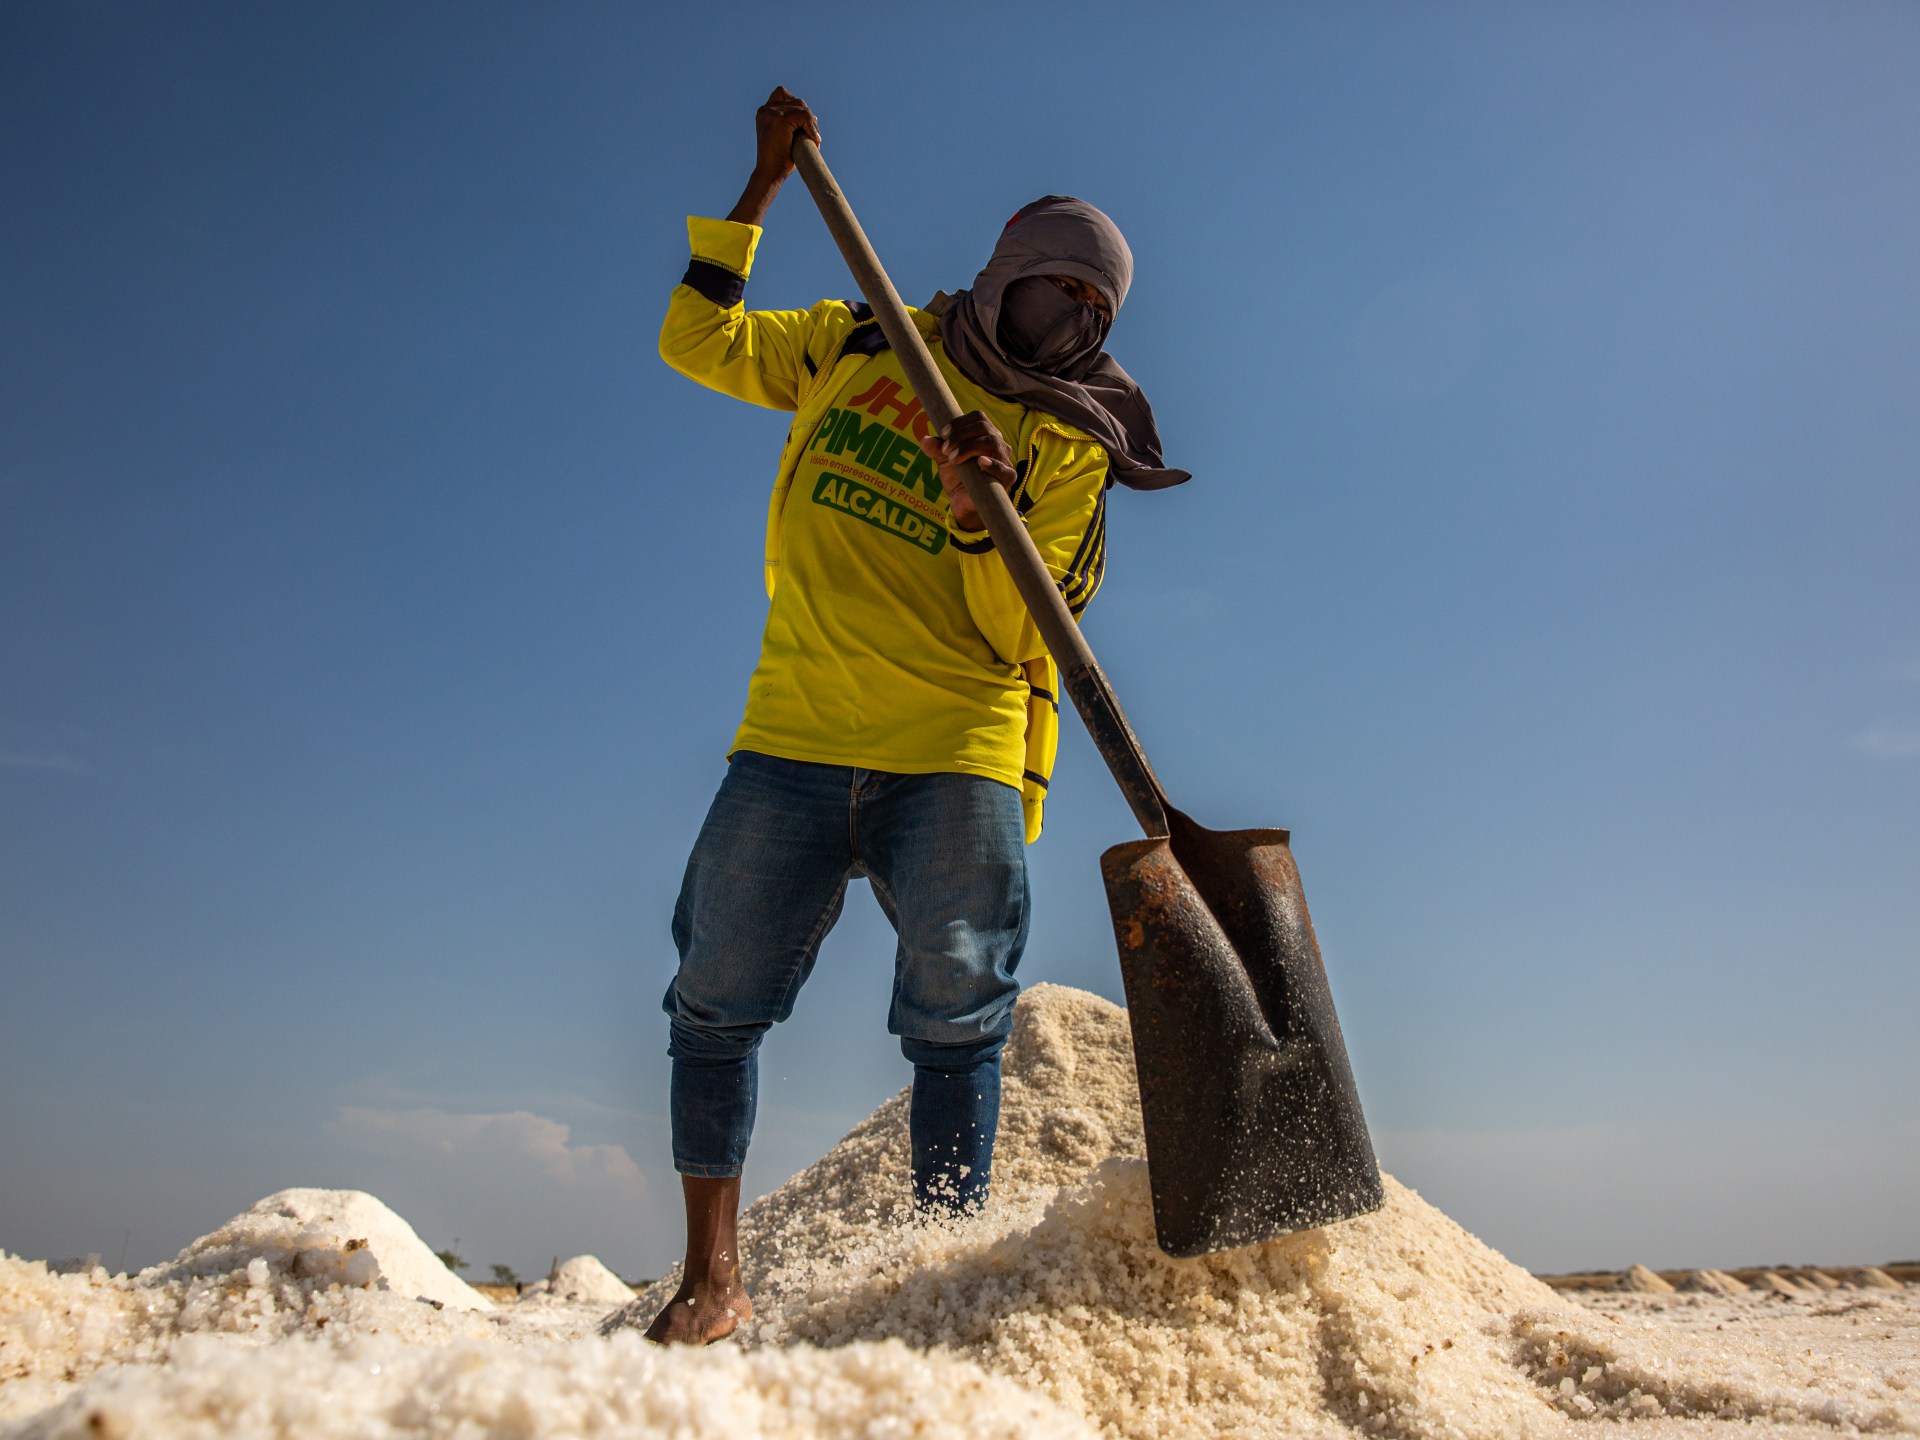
column 1643, row 1281
column 1711, row 1282
column 582, row 1280
column 1872, row 1277
column 335, row 1236
column 295, row 1265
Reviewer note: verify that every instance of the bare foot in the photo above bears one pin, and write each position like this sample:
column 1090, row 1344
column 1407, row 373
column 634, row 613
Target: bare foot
column 711, row 1303
column 701, row 1312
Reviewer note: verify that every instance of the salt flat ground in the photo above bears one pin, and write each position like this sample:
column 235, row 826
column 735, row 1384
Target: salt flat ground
column 1054, row 1314
column 1869, row 1331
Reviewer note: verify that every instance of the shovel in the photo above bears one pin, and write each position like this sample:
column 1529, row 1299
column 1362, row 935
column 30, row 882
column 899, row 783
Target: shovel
column 1252, row 1122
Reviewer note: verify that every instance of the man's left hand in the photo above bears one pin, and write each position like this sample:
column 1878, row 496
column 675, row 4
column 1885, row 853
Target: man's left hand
column 972, row 437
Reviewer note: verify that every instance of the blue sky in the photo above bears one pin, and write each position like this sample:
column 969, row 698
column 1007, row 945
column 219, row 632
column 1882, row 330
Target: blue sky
column 375, row 608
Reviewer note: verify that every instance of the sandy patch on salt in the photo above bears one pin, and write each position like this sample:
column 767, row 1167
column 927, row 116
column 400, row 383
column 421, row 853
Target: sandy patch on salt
column 1052, row 1314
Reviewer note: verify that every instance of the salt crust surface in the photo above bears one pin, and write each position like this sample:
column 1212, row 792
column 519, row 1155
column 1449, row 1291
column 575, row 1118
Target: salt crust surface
column 379, row 1386
column 1053, row 1314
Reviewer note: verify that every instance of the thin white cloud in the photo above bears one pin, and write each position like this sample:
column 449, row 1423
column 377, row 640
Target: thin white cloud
column 1889, row 742
column 64, row 764
column 511, row 1139
column 514, row 1185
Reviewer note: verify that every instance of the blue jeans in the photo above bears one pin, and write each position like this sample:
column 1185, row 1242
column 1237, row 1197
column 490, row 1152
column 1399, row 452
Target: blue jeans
column 946, row 858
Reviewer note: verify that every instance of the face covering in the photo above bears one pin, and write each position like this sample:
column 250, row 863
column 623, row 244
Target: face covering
column 1017, row 335
column 1044, row 328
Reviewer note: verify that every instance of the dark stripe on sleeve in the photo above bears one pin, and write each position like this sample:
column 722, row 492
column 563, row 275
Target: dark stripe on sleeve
column 1092, row 586
column 1086, row 540
column 1076, row 584
column 1090, row 564
column 1046, row 695
column 1032, row 778
column 1077, row 608
column 1083, row 556
column 971, row 547
column 716, row 282
column 1082, row 585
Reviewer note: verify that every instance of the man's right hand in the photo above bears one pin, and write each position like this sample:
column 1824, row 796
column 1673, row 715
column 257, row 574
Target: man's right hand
column 974, row 437
column 775, row 123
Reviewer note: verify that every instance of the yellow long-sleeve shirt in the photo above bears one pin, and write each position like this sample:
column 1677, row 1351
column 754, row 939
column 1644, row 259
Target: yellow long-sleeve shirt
column 894, row 640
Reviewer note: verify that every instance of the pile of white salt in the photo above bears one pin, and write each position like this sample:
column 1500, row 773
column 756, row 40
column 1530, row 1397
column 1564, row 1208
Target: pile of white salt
column 584, row 1279
column 1052, row 1314
column 1399, row 1323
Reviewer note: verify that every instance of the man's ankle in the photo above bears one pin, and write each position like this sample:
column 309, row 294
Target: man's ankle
column 715, row 1273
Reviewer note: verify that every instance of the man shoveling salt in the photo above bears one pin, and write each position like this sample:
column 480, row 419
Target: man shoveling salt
column 902, row 720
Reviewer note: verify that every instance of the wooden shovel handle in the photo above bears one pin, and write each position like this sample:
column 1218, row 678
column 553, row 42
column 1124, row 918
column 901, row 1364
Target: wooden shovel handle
column 1080, row 673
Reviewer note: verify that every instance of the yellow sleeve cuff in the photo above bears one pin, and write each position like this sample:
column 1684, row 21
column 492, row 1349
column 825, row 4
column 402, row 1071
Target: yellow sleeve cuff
column 970, row 542
column 726, row 243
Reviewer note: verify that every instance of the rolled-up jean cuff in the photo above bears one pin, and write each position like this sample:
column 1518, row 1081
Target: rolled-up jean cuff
column 708, row 1172
column 712, row 1105
column 963, row 1056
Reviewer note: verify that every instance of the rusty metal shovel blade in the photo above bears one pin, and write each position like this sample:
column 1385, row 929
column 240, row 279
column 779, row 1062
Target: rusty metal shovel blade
column 1253, row 1123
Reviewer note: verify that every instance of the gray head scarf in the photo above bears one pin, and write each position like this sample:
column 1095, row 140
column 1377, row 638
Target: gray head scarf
column 1023, row 339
